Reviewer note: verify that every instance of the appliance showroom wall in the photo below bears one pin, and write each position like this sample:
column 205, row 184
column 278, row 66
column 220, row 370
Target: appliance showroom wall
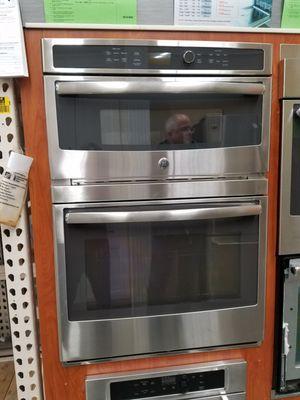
column 149, row 12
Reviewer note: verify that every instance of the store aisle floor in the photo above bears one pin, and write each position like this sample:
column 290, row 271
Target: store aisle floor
column 8, row 389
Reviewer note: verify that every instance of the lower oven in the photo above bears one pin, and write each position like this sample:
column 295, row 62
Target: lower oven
column 150, row 276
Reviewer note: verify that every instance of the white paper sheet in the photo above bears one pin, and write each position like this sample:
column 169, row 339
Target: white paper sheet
column 12, row 49
column 221, row 12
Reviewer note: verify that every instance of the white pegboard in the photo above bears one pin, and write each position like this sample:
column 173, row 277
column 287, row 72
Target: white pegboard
column 18, row 267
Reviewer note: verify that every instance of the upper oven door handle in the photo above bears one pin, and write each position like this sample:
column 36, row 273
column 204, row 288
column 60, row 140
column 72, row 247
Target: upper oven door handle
column 154, row 86
column 112, row 217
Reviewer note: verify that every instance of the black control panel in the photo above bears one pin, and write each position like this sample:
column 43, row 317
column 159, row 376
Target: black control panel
column 167, row 385
column 157, row 57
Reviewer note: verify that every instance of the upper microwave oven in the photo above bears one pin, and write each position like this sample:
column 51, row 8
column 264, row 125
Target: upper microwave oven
column 120, row 110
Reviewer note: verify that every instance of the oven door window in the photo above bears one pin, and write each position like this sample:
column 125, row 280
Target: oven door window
column 158, row 121
column 121, row 270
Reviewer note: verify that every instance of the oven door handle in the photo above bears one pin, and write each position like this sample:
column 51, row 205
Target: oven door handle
column 172, row 87
column 112, row 217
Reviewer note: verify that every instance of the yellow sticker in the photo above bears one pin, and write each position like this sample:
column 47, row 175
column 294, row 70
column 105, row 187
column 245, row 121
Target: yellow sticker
column 4, row 105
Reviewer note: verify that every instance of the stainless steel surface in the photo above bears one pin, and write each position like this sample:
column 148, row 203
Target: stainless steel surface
column 98, row 387
column 48, row 66
column 162, row 215
column 85, row 191
column 289, row 51
column 131, row 165
column 295, row 267
column 290, row 75
column 291, row 316
column 93, row 87
column 289, row 225
column 156, row 333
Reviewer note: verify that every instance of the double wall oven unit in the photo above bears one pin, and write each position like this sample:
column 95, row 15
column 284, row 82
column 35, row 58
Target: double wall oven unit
column 288, row 371
column 158, row 153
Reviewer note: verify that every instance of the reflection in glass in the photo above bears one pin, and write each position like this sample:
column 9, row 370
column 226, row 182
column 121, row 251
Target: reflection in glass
column 140, row 122
column 154, row 268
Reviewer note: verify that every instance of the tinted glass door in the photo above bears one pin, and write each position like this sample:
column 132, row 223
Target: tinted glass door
column 163, row 261
column 119, row 115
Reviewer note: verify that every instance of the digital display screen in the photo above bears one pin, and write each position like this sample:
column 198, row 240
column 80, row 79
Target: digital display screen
column 162, row 59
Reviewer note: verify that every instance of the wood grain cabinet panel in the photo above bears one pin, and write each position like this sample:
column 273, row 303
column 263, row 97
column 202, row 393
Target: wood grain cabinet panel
column 67, row 383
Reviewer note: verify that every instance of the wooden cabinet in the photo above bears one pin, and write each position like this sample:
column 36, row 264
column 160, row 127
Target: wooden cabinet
column 68, row 382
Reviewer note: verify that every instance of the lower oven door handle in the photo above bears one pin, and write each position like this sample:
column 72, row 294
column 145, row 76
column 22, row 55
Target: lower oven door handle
column 173, row 87
column 111, row 217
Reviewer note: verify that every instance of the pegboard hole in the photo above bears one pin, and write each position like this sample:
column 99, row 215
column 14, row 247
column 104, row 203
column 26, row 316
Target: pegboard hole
column 8, row 121
column 15, row 320
column 34, row 398
column 8, row 247
column 11, row 277
column 22, row 276
column 22, row 388
column 29, row 346
column 25, row 305
column 1, row 170
column 24, row 290
column 19, row 361
column 18, row 231
column 31, row 373
column 7, row 232
column 10, row 262
column 18, row 347
column 5, row 87
column 14, row 306
column 10, row 137
column 26, row 319
column 33, row 386
column 12, row 292
column 30, row 360
column 20, row 246
column 21, row 261
column 20, row 375
column 17, row 334
column 27, row 333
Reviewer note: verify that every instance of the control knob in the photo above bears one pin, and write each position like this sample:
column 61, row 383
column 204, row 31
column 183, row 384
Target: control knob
column 189, row 56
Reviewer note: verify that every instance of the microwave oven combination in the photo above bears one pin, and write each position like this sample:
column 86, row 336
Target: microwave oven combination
column 158, row 153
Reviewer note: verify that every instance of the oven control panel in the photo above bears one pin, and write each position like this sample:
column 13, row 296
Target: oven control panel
column 205, row 381
column 116, row 57
column 166, row 385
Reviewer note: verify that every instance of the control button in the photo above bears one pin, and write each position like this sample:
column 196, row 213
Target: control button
column 188, row 57
column 163, row 163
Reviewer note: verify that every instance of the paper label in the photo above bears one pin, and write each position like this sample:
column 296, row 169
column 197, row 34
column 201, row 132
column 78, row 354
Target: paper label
column 4, row 105
column 13, row 188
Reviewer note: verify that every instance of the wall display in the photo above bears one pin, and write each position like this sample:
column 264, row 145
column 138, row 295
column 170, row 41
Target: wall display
column 251, row 13
column 291, row 14
column 12, row 49
column 91, row 11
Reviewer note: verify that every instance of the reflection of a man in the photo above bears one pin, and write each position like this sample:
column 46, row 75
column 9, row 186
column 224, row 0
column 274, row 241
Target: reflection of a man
column 178, row 130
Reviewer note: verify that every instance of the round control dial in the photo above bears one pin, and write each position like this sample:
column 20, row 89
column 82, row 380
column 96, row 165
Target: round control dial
column 189, row 56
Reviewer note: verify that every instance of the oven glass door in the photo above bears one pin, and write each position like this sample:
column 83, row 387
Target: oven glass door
column 289, row 237
column 126, row 125
column 161, row 262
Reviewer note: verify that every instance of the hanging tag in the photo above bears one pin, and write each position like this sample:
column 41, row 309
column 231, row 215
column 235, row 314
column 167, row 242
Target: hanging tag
column 13, row 188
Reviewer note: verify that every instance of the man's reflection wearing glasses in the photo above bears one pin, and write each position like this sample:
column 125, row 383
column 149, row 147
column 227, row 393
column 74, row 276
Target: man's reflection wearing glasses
column 178, row 130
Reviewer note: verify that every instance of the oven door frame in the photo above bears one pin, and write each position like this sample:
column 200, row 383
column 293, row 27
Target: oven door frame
column 144, row 165
column 83, row 341
column 289, row 225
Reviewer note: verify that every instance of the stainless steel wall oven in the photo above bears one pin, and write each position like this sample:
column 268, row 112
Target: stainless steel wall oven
column 109, row 104
column 288, row 299
column 150, row 256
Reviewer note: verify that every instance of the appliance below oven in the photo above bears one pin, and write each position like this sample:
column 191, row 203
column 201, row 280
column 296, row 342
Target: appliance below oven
column 159, row 268
column 223, row 380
